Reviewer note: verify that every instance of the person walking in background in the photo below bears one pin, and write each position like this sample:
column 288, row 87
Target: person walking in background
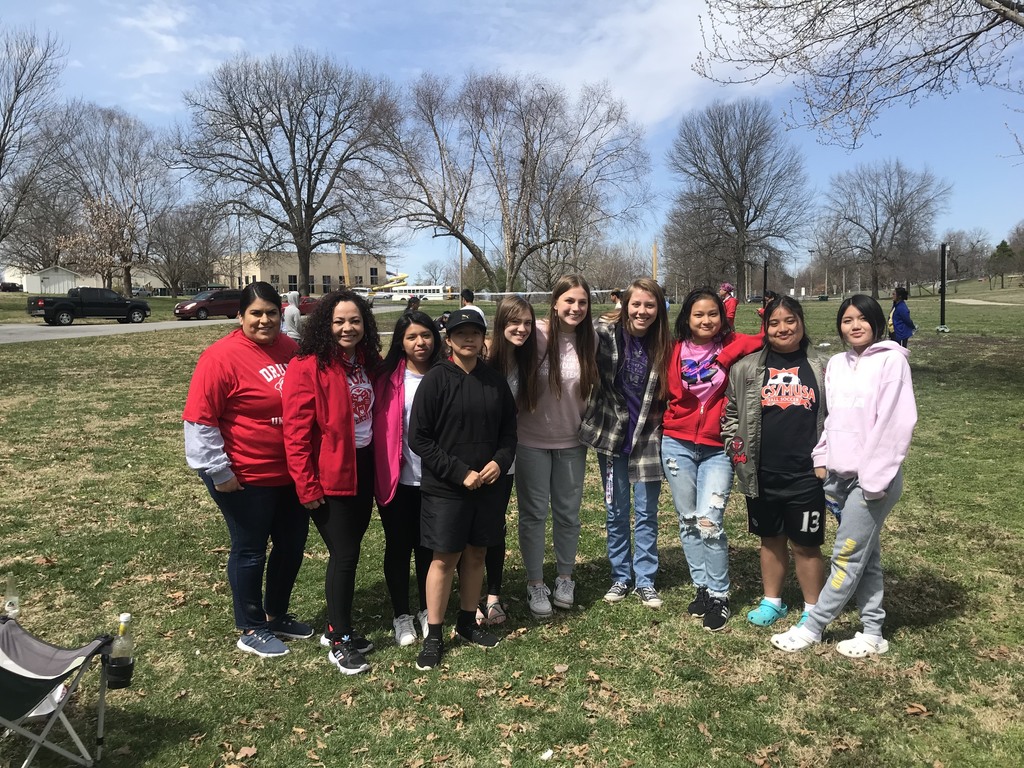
column 623, row 424
column 551, row 459
column 466, row 301
column 901, row 327
column 233, row 438
column 413, row 304
column 730, row 302
column 698, row 472
column 292, row 317
column 513, row 353
column 870, row 422
column 415, row 347
column 328, row 431
column 463, row 428
column 616, row 299
column 774, row 415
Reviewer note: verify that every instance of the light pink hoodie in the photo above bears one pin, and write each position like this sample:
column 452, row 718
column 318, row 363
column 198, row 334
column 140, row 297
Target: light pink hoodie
column 871, row 416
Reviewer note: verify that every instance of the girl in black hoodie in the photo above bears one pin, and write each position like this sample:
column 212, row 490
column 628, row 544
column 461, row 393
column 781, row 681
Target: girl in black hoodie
column 463, row 427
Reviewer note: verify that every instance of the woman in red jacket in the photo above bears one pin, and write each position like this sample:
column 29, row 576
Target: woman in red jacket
column 328, row 430
column 697, row 469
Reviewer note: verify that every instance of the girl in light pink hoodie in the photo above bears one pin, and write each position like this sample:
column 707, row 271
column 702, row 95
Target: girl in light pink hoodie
column 871, row 417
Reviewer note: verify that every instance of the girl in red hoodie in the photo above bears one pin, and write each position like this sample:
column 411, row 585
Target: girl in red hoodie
column 697, row 469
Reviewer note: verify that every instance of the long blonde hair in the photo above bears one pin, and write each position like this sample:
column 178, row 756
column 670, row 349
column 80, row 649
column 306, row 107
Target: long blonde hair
column 586, row 345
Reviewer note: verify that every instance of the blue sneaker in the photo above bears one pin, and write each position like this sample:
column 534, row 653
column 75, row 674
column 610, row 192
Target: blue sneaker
column 263, row 643
column 290, row 628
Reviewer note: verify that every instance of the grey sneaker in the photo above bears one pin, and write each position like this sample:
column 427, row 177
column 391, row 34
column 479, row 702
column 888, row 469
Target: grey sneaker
column 565, row 593
column 537, row 598
column 290, row 628
column 421, row 618
column 649, row 596
column 616, row 592
column 405, row 630
column 263, row 643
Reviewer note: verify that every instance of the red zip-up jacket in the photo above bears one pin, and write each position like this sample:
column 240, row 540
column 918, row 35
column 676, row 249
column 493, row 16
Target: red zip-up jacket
column 685, row 418
column 319, row 430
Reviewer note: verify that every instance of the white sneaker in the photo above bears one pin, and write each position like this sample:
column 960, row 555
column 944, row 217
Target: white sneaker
column 565, row 593
column 405, row 631
column 537, row 598
column 421, row 617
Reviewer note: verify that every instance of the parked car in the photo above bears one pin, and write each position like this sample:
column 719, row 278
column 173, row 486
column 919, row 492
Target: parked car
column 364, row 292
column 210, row 303
column 10, row 287
column 755, row 297
column 87, row 302
column 306, row 304
column 142, row 292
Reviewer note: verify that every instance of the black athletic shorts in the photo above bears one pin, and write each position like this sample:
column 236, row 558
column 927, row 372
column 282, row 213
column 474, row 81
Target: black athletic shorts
column 476, row 518
column 790, row 505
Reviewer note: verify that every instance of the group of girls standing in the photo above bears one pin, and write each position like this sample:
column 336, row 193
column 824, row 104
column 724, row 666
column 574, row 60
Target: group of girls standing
column 438, row 440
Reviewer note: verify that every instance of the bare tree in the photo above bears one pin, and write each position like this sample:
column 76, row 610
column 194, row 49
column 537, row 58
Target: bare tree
column 854, row 58
column 438, row 272
column 744, row 184
column 30, row 68
column 967, row 251
column 296, row 144
column 188, row 240
column 884, row 211
column 49, row 213
column 514, row 160
column 1016, row 242
column 113, row 161
column 610, row 265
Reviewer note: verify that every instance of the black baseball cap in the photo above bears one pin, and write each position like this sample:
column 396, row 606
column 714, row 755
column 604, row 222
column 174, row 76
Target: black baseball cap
column 465, row 317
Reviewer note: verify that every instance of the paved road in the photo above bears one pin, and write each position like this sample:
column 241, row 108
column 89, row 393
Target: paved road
column 14, row 333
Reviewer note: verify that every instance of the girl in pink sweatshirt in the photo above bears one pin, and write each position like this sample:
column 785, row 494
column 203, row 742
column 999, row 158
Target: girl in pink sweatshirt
column 871, row 417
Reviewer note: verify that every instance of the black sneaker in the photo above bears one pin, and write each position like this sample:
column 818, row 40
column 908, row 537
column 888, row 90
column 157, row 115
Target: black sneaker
column 477, row 635
column 347, row 658
column 430, row 654
column 717, row 614
column 699, row 606
column 359, row 642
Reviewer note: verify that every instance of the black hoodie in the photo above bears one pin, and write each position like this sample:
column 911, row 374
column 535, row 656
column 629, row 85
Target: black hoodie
column 459, row 422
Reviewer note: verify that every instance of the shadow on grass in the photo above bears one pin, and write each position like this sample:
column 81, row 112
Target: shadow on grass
column 921, row 598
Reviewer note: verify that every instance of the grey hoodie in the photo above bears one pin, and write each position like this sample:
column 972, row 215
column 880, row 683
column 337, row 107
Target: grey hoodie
column 290, row 316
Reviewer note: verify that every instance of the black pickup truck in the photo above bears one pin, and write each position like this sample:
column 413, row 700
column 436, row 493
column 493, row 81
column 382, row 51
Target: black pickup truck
column 87, row 302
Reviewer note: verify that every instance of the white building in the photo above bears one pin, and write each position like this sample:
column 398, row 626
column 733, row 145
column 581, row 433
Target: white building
column 55, row 280
column 327, row 271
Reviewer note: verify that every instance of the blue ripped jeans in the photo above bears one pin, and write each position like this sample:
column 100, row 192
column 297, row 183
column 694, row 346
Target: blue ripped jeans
column 700, row 479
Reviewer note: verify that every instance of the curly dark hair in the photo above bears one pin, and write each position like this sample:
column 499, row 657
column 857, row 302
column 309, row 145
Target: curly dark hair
column 318, row 336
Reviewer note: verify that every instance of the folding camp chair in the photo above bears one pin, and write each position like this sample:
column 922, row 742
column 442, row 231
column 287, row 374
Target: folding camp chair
column 31, row 671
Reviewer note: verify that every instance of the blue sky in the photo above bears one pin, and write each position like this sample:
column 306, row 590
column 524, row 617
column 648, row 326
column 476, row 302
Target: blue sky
column 142, row 55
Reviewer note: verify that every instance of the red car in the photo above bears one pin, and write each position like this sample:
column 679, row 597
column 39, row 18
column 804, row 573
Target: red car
column 306, row 304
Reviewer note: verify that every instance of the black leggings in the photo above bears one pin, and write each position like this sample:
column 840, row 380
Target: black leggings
column 342, row 524
column 401, row 521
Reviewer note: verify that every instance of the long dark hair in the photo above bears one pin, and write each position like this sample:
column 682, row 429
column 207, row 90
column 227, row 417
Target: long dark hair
column 507, row 358
column 794, row 306
column 258, row 290
column 683, row 332
column 396, row 352
column 872, row 312
column 318, row 335
column 586, row 345
column 659, row 346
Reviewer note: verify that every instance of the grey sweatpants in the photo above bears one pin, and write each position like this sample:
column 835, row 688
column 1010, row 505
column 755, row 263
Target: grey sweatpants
column 549, row 479
column 857, row 556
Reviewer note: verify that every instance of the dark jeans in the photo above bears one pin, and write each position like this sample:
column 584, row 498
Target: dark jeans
column 342, row 522
column 401, row 521
column 255, row 516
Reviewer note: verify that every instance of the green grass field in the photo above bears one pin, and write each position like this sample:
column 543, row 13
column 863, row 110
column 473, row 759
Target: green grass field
column 100, row 514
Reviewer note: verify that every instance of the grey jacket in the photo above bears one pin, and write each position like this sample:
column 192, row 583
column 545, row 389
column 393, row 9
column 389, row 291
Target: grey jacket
column 741, row 420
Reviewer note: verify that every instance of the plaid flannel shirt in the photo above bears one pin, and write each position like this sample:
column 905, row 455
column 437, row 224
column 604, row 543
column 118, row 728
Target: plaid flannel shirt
column 607, row 417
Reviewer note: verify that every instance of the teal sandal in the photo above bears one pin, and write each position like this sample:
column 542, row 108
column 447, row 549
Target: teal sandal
column 766, row 614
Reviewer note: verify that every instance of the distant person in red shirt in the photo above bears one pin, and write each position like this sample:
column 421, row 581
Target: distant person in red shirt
column 233, row 438
column 729, row 301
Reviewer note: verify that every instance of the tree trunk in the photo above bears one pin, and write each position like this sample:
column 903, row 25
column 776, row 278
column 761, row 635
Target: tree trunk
column 126, row 273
